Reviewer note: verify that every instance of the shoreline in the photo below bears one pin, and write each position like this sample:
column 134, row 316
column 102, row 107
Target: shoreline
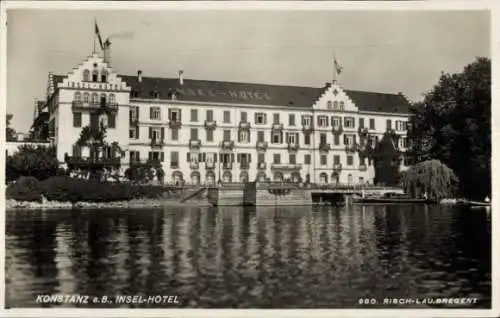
column 12, row 205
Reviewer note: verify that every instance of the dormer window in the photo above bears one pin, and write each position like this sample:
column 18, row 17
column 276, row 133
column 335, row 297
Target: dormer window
column 104, row 76
column 86, row 75
column 95, row 76
column 155, row 94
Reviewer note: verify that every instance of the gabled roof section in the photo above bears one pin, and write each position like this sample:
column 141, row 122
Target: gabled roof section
column 380, row 102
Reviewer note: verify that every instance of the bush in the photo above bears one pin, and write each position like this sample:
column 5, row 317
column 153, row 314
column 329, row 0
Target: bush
column 25, row 189
column 39, row 162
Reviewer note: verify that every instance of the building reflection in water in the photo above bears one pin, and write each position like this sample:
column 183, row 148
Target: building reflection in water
column 250, row 257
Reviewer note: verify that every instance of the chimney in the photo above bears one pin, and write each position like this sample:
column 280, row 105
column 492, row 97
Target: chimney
column 107, row 52
column 139, row 76
column 181, row 77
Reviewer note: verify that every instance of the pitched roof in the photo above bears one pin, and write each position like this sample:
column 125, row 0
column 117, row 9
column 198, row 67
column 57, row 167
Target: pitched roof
column 257, row 94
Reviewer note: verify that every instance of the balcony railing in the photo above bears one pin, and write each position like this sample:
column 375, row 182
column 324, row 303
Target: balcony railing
column 362, row 167
column 227, row 165
column 325, row 147
column 307, row 128
column 157, row 143
column 195, row 144
column 244, row 165
column 244, row 125
column 363, row 131
column 261, row 165
column 337, row 130
column 174, row 124
column 80, row 105
column 210, row 124
column 194, row 165
column 261, row 145
column 286, row 166
column 89, row 161
column 277, row 126
column 350, row 148
column 227, row 145
column 293, row 146
column 133, row 121
column 337, row 167
column 210, row 165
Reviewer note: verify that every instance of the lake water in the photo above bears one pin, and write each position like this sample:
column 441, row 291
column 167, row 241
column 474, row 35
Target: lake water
column 303, row 257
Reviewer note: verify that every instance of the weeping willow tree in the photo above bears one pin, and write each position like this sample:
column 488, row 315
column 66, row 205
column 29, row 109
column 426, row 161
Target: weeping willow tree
column 430, row 177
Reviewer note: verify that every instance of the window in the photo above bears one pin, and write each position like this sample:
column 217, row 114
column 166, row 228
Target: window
column 336, row 121
column 194, row 134
column 350, row 160
column 389, row 124
column 292, row 159
column 307, row 159
column 227, row 117
column 260, row 118
column 349, row 139
column 276, row 138
column 77, row 119
column 174, row 115
column 174, row 159
column 86, row 98
column 276, row 158
column 292, row 138
column 134, row 113
column 134, row 155
column 210, row 135
column 306, row 120
column 86, row 75
column 95, row 76
column 322, row 138
column 403, row 142
column 260, row 136
column 111, row 121
column 336, row 140
column 134, row 133
column 227, row 135
column 276, row 118
column 261, row 158
column 349, row 122
column 336, row 105
column 243, row 136
column 154, row 113
column 210, row 115
column 94, row 120
column 361, row 180
column 401, row 125
column 78, row 97
column 104, row 76
column 95, row 99
column 291, row 120
column 322, row 121
column 329, row 104
column 174, row 134
column 341, row 106
column 372, row 123
column 323, row 160
column 361, row 123
column 336, row 160
column 194, row 115
column 156, row 133
column 307, row 139
column 243, row 117
column 112, row 98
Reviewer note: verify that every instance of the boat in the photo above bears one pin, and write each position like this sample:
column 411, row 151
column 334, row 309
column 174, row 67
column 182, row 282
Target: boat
column 390, row 198
column 479, row 203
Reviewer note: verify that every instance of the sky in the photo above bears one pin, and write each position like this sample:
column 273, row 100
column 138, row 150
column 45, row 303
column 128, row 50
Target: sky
column 381, row 51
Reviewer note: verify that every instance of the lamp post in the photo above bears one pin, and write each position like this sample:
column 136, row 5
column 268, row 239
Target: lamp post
column 220, row 161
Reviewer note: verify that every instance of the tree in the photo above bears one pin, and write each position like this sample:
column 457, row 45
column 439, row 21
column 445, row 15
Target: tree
column 452, row 125
column 10, row 133
column 386, row 159
column 430, row 177
column 39, row 162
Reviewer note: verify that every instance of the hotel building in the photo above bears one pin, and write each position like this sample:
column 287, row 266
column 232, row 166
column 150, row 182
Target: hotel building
column 205, row 131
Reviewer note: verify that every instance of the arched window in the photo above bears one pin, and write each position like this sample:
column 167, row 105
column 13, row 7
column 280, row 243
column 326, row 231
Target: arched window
column 95, row 76
column 103, row 99
column 104, row 76
column 329, row 104
column 95, row 99
column 86, row 75
column 86, row 98
column 341, row 105
column 112, row 98
column 336, row 105
column 78, row 97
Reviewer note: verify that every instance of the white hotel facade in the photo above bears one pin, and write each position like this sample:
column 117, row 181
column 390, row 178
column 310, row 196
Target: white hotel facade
column 205, row 131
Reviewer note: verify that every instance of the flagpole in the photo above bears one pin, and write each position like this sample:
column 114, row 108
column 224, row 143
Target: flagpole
column 95, row 36
column 334, row 79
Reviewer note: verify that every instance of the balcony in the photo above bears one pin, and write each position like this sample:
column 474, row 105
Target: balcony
column 195, row 144
column 227, row 165
column 210, row 124
column 133, row 121
column 307, row 128
column 209, row 165
column 362, row 167
column 261, row 145
column 293, row 146
column 337, row 167
column 194, row 165
column 261, row 165
column 174, row 124
column 91, row 161
column 363, row 131
column 244, row 125
column 337, row 130
column 286, row 166
column 157, row 143
column 145, row 162
column 277, row 126
column 227, row 145
column 244, row 165
column 351, row 148
column 324, row 147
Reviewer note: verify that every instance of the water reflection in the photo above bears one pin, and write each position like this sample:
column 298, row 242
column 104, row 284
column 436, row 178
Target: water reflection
column 252, row 257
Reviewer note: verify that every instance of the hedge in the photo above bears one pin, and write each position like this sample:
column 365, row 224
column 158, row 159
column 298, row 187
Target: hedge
column 65, row 189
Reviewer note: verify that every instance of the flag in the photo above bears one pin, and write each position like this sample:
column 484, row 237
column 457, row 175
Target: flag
column 338, row 68
column 98, row 34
